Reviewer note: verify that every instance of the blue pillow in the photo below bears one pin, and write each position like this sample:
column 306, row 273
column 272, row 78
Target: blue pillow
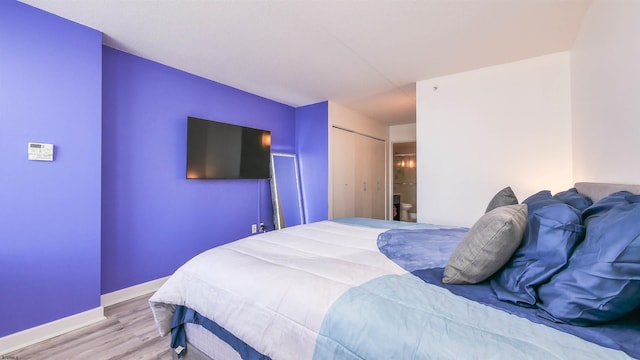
column 554, row 228
column 602, row 280
column 540, row 199
column 574, row 198
column 605, row 204
column 632, row 198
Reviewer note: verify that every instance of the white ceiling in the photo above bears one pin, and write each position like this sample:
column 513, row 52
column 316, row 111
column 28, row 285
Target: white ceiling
column 363, row 54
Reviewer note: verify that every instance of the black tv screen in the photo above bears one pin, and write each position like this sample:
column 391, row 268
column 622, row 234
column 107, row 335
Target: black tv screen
column 217, row 150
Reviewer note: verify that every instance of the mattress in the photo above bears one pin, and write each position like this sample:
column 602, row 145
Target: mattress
column 204, row 345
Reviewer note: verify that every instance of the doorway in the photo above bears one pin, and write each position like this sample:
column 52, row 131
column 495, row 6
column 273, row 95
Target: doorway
column 405, row 207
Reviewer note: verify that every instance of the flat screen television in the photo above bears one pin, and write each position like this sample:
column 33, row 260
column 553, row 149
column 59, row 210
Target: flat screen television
column 218, row 150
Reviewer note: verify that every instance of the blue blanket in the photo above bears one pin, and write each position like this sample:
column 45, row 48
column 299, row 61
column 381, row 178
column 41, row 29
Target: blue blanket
column 425, row 252
column 623, row 334
column 420, row 249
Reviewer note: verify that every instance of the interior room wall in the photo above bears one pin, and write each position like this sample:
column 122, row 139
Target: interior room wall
column 344, row 117
column 114, row 209
column 50, row 92
column 402, row 133
column 482, row 130
column 153, row 219
column 605, row 84
column 312, row 148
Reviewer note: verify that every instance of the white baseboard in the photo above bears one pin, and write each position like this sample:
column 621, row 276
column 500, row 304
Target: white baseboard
column 46, row 331
column 132, row 292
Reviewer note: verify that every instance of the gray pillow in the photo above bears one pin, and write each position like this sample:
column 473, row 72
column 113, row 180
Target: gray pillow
column 504, row 197
column 487, row 246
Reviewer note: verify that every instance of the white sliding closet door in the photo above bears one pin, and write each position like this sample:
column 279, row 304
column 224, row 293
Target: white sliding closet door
column 358, row 175
column 344, row 174
column 378, row 184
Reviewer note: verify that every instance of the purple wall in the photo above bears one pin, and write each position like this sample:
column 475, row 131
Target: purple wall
column 50, row 91
column 153, row 219
column 312, row 137
column 114, row 209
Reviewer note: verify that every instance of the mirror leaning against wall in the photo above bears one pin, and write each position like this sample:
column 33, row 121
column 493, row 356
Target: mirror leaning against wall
column 285, row 190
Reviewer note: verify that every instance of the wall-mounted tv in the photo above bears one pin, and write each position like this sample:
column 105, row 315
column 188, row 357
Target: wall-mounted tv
column 218, row 150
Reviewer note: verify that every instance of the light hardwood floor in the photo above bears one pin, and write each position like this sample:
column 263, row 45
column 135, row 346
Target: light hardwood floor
column 129, row 332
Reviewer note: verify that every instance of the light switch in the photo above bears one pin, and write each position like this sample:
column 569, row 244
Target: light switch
column 40, row 151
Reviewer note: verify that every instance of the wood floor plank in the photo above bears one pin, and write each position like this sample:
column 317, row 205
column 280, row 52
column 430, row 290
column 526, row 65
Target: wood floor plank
column 129, row 332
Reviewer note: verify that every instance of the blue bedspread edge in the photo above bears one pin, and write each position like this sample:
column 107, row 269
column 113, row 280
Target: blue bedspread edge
column 412, row 248
column 184, row 315
column 620, row 335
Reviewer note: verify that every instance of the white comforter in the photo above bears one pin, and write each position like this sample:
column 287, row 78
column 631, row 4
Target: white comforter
column 274, row 290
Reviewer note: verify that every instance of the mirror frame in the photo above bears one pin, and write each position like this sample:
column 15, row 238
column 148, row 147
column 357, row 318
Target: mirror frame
column 278, row 217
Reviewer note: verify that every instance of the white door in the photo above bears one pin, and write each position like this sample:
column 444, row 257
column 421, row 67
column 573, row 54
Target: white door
column 358, row 175
column 378, row 184
column 343, row 160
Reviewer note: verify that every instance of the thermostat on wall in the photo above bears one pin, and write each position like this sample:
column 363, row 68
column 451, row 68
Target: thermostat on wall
column 40, row 151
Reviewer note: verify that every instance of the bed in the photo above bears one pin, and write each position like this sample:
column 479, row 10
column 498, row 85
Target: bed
column 371, row 289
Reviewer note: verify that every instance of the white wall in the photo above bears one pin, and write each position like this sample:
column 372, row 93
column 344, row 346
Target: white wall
column 482, row 130
column 605, row 82
column 402, row 133
column 346, row 118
